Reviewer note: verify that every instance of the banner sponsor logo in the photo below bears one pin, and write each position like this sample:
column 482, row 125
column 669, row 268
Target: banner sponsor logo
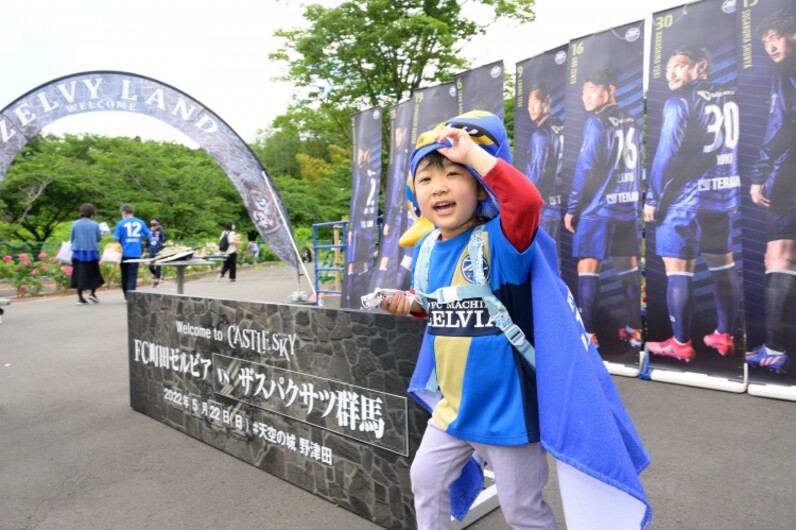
column 632, row 34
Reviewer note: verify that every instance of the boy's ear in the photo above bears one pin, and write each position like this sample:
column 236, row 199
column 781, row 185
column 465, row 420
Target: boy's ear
column 482, row 194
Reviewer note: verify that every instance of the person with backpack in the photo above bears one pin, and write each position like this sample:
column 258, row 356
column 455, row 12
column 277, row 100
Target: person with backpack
column 228, row 244
column 155, row 242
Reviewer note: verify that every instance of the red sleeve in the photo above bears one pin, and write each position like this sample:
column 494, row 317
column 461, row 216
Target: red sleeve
column 520, row 203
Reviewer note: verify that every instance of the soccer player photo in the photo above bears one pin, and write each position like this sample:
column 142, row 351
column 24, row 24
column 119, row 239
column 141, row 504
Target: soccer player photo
column 768, row 140
column 539, row 129
column 604, row 118
column 692, row 203
column 363, row 225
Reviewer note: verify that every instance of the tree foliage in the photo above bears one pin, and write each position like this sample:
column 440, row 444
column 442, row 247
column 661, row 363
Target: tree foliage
column 53, row 175
column 366, row 53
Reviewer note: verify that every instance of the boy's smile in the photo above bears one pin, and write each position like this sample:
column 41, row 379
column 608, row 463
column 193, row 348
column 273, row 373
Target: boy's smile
column 447, row 195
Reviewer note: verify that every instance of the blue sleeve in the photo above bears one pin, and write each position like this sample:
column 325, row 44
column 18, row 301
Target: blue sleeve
column 669, row 144
column 99, row 232
column 117, row 232
column 588, row 159
column 72, row 234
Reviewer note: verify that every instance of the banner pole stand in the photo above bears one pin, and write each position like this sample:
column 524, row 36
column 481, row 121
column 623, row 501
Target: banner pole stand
column 621, row 369
column 786, row 392
column 296, row 296
column 700, row 380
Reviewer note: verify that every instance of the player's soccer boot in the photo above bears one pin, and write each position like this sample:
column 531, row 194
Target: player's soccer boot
column 631, row 335
column 775, row 362
column 593, row 339
column 671, row 348
column 722, row 342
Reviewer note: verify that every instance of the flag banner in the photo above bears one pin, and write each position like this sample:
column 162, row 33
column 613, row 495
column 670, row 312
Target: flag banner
column 693, row 245
column 108, row 91
column 432, row 106
column 363, row 223
column 393, row 266
column 477, row 89
column 601, row 185
column 481, row 89
column 539, row 129
column 767, row 158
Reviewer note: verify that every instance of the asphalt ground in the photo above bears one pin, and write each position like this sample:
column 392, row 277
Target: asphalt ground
column 74, row 455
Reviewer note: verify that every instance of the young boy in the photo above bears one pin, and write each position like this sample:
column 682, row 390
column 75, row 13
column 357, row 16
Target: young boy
column 487, row 389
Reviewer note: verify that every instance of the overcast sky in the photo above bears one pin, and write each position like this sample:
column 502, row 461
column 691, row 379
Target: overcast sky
column 217, row 52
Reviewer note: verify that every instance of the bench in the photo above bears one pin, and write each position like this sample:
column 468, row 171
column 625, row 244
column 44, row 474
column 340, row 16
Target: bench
column 3, row 301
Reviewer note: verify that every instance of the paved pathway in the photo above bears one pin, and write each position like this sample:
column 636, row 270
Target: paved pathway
column 74, row 455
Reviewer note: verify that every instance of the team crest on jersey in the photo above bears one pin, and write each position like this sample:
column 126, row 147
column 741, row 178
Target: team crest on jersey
column 469, row 273
column 728, row 6
column 561, row 57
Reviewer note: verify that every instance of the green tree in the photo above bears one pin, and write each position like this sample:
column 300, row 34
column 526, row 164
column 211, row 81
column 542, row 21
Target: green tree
column 44, row 187
column 52, row 176
column 367, row 53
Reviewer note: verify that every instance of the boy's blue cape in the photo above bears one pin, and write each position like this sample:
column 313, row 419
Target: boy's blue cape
column 582, row 419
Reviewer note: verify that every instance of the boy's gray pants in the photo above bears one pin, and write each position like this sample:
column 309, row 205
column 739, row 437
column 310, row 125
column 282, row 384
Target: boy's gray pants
column 520, row 476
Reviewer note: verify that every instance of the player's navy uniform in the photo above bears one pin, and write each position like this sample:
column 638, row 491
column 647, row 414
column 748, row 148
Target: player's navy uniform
column 694, row 182
column 776, row 166
column 544, row 170
column 605, row 189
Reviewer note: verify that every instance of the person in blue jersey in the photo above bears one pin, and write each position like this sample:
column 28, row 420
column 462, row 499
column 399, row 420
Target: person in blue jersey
column 545, row 156
column 157, row 238
column 602, row 208
column 132, row 233
column 774, row 188
column 487, row 390
column 85, row 236
column 694, row 191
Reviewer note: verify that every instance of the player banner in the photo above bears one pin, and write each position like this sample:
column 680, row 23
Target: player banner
column 307, row 394
column 393, row 266
column 432, row 106
column 540, row 85
column 692, row 204
column 767, row 157
column 601, row 180
column 363, row 223
column 481, row 89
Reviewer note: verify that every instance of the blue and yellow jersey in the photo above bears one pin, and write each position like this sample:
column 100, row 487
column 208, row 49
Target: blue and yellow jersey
column 488, row 389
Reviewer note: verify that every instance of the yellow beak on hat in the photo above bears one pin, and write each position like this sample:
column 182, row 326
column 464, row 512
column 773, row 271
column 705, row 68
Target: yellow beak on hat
column 414, row 233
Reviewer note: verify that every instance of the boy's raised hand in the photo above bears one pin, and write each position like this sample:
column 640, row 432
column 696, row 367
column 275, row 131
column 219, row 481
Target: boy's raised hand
column 464, row 150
